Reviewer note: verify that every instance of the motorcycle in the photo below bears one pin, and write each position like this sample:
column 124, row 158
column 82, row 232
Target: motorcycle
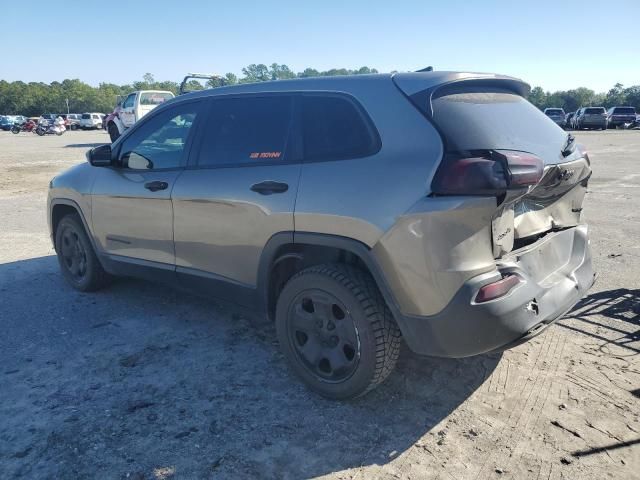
column 28, row 126
column 55, row 128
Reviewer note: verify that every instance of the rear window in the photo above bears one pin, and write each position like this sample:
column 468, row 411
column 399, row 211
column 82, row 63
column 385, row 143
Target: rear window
column 334, row 128
column 86, row 116
column 624, row 111
column 594, row 111
column 554, row 111
column 482, row 119
column 154, row 98
column 248, row 130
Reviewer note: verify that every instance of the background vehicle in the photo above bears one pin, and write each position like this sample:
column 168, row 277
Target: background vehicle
column 557, row 115
column 89, row 121
column 27, row 126
column 72, row 120
column 590, row 117
column 568, row 119
column 461, row 231
column 6, row 122
column 47, row 118
column 618, row 116
column 55, row 127
column 135, row 106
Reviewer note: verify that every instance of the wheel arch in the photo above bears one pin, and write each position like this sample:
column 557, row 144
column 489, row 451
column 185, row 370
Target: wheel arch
column 60, row 207
column 287, row 253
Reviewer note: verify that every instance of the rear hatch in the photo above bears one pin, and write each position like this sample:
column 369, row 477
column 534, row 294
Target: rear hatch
column 595, row 115
column 624, row 114
column 497, row 143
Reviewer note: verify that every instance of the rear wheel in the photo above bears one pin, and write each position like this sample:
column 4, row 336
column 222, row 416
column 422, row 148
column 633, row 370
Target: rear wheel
column 336, row 331
column 15, row 129
column 40, row 131
column 78, row 261
column 113, row 132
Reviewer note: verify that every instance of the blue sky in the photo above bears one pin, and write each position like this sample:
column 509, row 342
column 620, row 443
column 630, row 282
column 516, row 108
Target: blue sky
column 120, row 41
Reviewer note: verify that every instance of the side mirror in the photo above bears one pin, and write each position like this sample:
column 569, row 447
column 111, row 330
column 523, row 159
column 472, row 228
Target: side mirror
column 100, row 156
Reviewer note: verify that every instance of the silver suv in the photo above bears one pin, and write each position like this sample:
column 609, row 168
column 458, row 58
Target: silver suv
column 438, row 208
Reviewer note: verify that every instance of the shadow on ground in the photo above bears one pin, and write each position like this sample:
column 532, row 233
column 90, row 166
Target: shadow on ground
column 621, row 307
column 139, row 377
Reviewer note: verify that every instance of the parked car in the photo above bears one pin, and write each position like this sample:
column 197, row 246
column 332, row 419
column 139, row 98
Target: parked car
column 6, row 122
column 90, row 121
column 590, row 117
column 557, row 115
column 618, row 116
column 460, row 233
column 72, row 120
column 47, row 118
column 135, row 106
column 568, row 119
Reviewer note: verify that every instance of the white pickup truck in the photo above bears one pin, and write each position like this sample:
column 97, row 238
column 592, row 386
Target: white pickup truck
column 134, row 106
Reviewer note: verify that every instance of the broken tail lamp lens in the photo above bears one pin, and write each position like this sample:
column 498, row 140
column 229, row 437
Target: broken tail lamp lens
column 497, row 289
column 487, row 173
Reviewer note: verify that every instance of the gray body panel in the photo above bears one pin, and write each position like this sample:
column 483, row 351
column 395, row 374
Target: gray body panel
column 128, row 219
column 221, row 226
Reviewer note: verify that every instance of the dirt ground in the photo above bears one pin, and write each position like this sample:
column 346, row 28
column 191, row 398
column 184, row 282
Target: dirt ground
column 138, row 381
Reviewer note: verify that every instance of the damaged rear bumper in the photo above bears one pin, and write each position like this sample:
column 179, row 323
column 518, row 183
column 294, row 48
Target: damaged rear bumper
column 556, row 272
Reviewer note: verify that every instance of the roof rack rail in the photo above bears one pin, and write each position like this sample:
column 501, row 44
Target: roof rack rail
column 426, row 69
column 197, row 76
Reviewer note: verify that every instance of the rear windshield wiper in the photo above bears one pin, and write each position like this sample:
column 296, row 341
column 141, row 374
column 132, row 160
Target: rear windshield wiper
column 569, row 146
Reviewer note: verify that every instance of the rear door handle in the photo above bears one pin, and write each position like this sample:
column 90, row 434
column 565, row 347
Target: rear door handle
column 155, row 186
column 268, row 187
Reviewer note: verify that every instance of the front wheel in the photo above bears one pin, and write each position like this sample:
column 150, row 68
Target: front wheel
column 40, row 131
column 336, row 330
column 15, row 129
column 78, row 261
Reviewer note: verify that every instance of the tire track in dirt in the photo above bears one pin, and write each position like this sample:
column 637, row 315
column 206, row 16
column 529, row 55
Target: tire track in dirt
column 529, row 389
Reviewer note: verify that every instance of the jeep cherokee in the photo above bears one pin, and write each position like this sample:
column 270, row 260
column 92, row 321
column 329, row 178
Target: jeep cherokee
column 440, row 209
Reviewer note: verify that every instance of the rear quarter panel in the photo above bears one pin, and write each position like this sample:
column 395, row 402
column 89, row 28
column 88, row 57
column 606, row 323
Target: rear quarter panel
column 362, row 198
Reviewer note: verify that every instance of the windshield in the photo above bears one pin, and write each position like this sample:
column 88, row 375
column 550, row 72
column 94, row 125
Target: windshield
column 154, row 98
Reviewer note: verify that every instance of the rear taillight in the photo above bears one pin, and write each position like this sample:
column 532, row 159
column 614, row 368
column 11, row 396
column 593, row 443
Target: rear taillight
column 497, row 289
column 487, row 173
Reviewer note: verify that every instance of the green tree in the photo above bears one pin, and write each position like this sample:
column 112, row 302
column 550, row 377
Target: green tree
column 538, row 97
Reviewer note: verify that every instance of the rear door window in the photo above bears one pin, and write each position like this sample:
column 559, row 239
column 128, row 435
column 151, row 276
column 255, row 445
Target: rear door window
column 334, row 128
column 246, row 130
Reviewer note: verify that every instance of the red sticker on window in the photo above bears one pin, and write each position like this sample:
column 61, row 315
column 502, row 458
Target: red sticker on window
column 265, row 154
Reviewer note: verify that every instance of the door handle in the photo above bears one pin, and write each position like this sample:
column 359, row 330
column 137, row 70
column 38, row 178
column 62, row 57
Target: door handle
column 155, row 186
column 268, row 187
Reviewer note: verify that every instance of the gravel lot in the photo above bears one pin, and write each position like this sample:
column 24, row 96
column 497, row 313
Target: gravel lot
column 138, row 381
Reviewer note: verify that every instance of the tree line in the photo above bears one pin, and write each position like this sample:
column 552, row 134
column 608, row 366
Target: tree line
column 35, row 98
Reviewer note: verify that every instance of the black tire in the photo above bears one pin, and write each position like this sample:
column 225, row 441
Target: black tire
column 78, row 261
column 350, row 326
column 40, row 131
column 15, row 129
column 114, row 134
column 73, row 126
